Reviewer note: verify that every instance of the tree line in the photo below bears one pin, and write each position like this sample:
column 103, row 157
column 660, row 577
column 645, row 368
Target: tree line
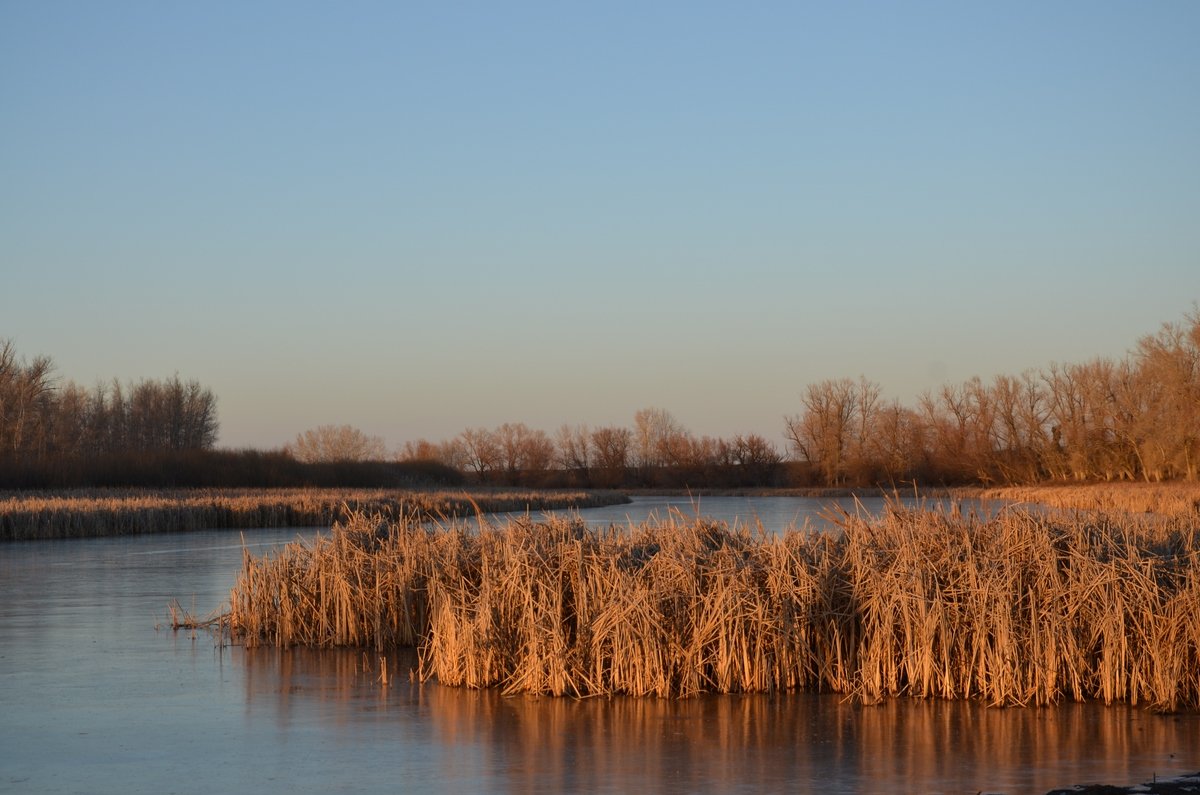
column 656, row 452
column 156, row 434
column 1133, row 418
column 41, row 418
column 1137, row 417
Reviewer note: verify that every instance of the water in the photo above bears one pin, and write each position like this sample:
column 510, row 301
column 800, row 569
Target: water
column 94, row 698
column 774, row 514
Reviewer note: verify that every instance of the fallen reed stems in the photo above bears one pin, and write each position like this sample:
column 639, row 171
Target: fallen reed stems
column 1020, row 608
column 182, row 618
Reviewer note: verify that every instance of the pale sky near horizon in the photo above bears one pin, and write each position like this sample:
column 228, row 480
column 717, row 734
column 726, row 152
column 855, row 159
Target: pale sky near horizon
column 417, row 218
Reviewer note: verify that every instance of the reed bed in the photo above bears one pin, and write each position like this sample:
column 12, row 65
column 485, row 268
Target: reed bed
column 36, row 516
column 1175, row 498
column 1017, row 609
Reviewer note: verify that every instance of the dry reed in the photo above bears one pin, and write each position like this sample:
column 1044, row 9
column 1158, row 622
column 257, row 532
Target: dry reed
column 1177, row 498
column 1016, row 609
column 38, row 515
column 181, row 618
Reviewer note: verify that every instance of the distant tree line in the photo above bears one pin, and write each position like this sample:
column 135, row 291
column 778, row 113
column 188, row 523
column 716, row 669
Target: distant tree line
column 219, row 469
column 1133, row 418
column 41, row 418
column 657, row 452
column 158, row 434
column 1136, row 418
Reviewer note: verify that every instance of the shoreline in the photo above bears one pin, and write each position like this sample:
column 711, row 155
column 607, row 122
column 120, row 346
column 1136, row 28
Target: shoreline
column 33, row 516
column 1177, row 785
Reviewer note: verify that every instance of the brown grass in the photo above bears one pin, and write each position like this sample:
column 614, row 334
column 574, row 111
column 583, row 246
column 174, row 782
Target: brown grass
column 1176, row 498
column 179, row 618
column 1017, row 609
column 41, row 515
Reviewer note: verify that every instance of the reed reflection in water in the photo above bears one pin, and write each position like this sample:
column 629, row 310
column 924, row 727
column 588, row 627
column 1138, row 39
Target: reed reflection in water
column 471, row 740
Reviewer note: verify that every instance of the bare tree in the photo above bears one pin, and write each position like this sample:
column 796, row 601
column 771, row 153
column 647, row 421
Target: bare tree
column 524, row 453
column 573, row 450
column 450, row 453
column 419, row 450
column 26, row 401
column 694, row 452
column 898, row 444
column 1168, row 364
column 453, row 454
column 336, row 443
column 537, row 456
column 1078, row 399
column 511, row 440
column 660, row 439
column 861, row 462
column 754, row 457
column 821, row 433
column 610, row 454
column 1020, row 433
column 481, row 451
column 753, row 450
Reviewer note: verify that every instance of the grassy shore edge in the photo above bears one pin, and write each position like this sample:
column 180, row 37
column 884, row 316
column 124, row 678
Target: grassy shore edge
column 95, row 513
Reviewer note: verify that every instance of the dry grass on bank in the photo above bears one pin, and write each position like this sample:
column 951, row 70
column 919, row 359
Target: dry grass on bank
column 41, row 515
column 1017, row 609
column 1169, row 499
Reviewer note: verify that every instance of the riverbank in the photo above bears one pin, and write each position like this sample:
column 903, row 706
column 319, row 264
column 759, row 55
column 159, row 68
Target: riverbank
column 1172, row 498
column 812, row 492
column 1181, row 785
column 1176, row 498
column 26, row 516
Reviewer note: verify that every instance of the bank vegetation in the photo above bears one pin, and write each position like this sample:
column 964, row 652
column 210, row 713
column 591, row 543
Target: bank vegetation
column 1174, row 498
column 28, row 516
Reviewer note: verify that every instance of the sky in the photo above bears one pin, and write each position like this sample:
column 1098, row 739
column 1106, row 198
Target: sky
column 416, row 218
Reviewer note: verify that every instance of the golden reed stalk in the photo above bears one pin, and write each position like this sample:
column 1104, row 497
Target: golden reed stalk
column 1016, row 609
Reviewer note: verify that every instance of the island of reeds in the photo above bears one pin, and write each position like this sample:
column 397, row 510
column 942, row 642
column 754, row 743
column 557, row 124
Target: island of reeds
column 1016, row 608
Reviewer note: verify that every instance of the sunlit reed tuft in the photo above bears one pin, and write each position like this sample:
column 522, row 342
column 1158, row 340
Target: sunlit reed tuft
column 1016, row 609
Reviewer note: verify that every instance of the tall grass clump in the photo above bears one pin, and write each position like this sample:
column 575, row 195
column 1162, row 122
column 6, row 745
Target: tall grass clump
column 1026, row 609
column 1015, row 609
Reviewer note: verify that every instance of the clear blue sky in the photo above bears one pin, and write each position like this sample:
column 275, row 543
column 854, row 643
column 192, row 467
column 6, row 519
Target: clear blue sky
column 416, row 218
